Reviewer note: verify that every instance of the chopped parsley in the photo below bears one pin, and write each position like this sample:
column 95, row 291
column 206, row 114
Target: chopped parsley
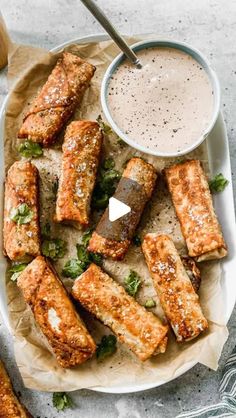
column 132, row 283
column 150, row 303
column 100, row 199
column 16, row 269
column 22, row 214
column 54, row 248
column 83, row 255
column 46, row 230
column 86, row 257
column 61, row 401
column 29, row 149
column 108, row 163
column 96, row 258
column 104, row 126
column 76, row 266
column 218, row 183
column 72, row 268
column 137, row 240
column 86, row 237
column 107, row 347
column 108, row 178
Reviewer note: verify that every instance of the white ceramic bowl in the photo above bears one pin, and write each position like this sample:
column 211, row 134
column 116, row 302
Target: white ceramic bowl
column 170, row 44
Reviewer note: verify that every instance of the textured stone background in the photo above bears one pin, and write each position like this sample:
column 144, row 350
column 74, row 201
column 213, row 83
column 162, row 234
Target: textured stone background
column 209, row 25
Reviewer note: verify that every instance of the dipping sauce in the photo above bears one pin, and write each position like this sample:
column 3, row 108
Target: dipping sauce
column 166, row 105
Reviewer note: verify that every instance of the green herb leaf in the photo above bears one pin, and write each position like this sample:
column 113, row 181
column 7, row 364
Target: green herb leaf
column 108, row 180
column 16, row 269
column 83, row 254
column 132, row 283
column 108, row 163
column 150, row 303
column 54, row 248
column 106, row 128
column 96, row 258
column 61, row 401
column 22, row 214
column 100, row 199
column 46, row 230
column 137, row 240
column 86, row 237
column 106, row 184
column 107, row 347
column 218, row 183
column 29, row 149
column 72, row 268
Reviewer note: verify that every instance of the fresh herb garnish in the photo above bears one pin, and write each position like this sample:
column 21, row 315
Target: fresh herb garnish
column 218, row 183
column 54, row 248
column 136, row 240
column 22, row 214
column 16, row 269
column 106, row 128
column 107, row 347
column 108, row 163
column 106, row 184
column 96, row 258
column 86, row 257
column 83, row 255
column 150, row 303
column 76, row 266
column 29, row 149
column 72, row 268
column 86, row 237
column 100, row 199
column 46, row 230
column 61, row 401
column 132, row 283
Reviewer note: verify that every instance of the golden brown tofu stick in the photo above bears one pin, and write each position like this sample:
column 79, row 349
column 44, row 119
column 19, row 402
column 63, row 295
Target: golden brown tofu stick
column 140, row 330
column 57, row 100
column 81, row 151
column 10, row 407
column 112, row 239
column 21, row 213
column 173, row 286
column 193, row 204
column 55, row 314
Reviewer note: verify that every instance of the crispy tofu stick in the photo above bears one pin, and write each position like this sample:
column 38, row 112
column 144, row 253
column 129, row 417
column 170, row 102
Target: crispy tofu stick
column 173, row 286
column 55, row 314
column 81, row 151
column 10, row 407
column 140, row 330
column 112, row 239
column 21, row 214
column 57, row 100
column 193, row 204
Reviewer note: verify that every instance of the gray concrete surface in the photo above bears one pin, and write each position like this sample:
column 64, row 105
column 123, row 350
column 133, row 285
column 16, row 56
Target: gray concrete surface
column 210, row 25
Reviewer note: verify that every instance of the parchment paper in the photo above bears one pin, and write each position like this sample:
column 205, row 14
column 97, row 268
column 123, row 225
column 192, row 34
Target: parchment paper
column 28, row 69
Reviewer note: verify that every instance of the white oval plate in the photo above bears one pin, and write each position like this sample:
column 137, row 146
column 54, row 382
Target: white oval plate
column 219, row 160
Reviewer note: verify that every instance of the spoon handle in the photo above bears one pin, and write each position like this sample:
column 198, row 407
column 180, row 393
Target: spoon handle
column 109, row 28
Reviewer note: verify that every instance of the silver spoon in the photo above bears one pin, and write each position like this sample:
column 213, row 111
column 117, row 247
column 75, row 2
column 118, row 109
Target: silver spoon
column 109, row 28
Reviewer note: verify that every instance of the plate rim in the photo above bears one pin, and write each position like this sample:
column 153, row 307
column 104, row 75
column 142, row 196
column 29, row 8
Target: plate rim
column 98, row 37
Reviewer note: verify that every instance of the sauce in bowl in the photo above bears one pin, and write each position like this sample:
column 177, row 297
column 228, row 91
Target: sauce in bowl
column 166, row 105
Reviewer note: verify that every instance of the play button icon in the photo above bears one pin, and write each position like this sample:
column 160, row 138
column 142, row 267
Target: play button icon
column 117, row 209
